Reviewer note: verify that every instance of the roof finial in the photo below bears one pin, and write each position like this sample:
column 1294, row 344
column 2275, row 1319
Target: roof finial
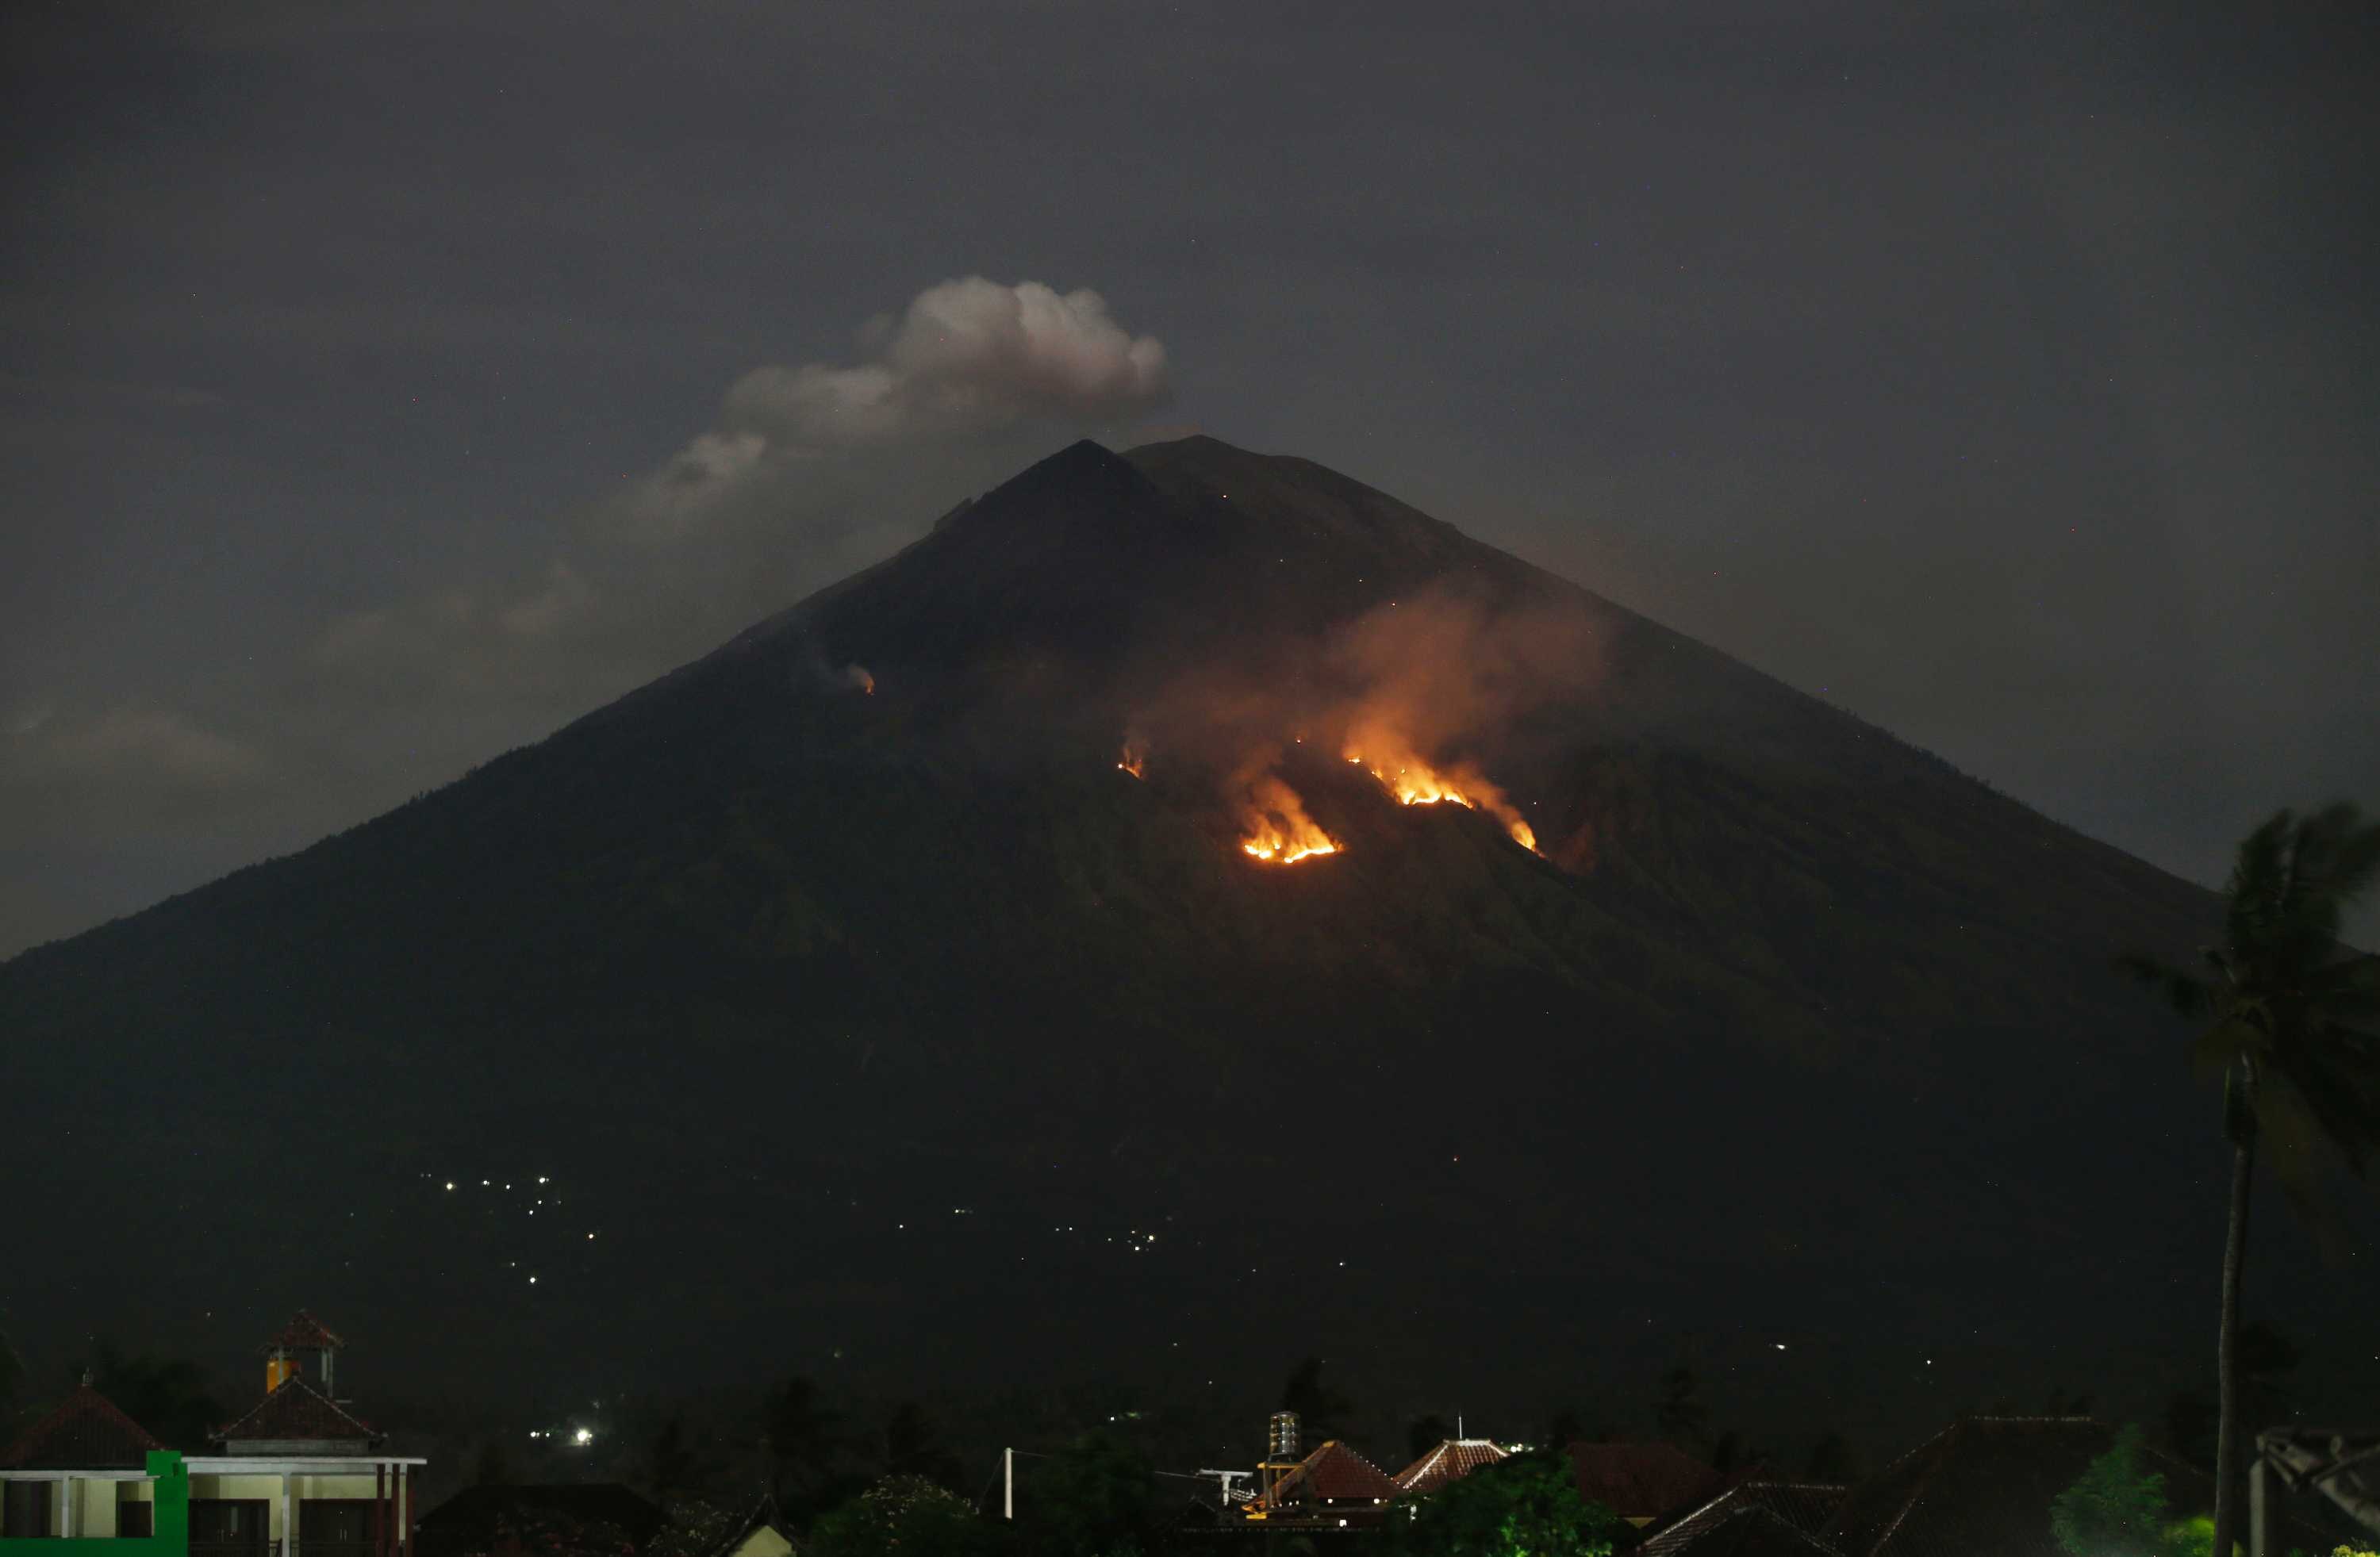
column 86, row 1378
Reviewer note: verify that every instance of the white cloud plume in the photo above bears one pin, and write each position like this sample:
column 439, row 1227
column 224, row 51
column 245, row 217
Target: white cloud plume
column 966, row 359
column 966, row 354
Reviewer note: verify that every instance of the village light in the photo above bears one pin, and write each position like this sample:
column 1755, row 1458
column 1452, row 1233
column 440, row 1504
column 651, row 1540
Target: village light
column 583, row 1437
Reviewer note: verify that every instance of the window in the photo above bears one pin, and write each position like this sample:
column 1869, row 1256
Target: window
column 26, row 1509
column 134, row 1518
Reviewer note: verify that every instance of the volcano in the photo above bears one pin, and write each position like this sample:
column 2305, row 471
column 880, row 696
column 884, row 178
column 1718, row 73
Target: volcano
column 894, row 993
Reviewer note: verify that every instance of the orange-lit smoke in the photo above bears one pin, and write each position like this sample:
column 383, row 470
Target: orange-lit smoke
column 1276, row 827
column 1133, row 758
column 1387, row 756
column 858, row 675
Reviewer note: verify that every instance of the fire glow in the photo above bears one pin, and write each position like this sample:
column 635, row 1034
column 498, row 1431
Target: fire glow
column 1404, row 774
column 1278, row 829
column 1133, row 758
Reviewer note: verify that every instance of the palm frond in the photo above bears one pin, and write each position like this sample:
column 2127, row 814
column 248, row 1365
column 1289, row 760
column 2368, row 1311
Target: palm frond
column 2212, row 1052
column 2293, row 1140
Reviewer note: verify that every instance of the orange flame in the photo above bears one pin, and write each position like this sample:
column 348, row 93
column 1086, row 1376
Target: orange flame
column 1135, row 758
column 1279, row 830
column 1413, row 781
column 858, row 676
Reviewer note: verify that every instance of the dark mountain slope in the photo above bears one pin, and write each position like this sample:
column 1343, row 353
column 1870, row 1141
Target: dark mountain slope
column 777, row 977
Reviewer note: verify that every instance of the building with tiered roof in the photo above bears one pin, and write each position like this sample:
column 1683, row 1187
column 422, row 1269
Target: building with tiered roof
column 299, row 1474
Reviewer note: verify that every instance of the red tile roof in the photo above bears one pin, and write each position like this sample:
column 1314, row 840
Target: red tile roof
column 306, row 1332
column 297, row 1410
column 1335, row 1473
column 1805, row 1506
column 1451, row 1461
column 1755, row 1532
column 86, row 1432
column 1643, row 1480
column 1985, row 1484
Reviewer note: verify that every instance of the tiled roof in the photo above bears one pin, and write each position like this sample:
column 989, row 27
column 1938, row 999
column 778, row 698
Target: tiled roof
column 306, row 1332
column 1451, row 1461
column 1984, row 1485
column 86, row 1432
column 1804, row 1507
column 1332, row 1473
column 761, row 1516
column 297, row 1410
column 1752, row 1531
column 1643, row 1480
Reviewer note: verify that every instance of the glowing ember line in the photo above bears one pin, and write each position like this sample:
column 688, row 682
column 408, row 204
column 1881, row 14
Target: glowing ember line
column 1413, row 782
column 1279, row 830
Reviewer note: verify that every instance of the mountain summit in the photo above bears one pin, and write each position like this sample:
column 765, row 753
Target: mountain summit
column 940, row 959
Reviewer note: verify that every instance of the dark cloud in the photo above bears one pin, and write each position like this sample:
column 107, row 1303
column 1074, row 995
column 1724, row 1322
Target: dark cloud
column 378, row 382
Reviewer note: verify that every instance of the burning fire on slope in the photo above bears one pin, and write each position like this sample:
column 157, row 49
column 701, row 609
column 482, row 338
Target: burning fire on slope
column 858, row 676
column 1133, row 758
column 1278, row 830
column 1413, row 781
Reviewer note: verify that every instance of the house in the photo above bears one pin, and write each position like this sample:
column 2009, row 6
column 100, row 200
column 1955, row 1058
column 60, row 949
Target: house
column 1641, row 1482
column 298, row 1470
column 1332, row 1487
column 760, row 1533
column 1753, row 1531
column 1723, row 1525
column 1451, row 1461
column 80, row 1471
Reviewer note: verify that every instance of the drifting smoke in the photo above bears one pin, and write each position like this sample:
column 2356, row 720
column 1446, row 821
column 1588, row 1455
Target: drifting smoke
column 1278, row 829
column 1133, row 758
column 1383, row 752
column 857, row 676
column 1423, row 693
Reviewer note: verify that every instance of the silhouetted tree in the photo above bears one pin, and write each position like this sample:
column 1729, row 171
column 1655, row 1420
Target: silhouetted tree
column 1322, row 1412
column 913, row 1446
column 2190, row 1428
column 2290, row 1030
column 903, row 1515
column 1527, row 1504
column 1096, row 1495
column 1832, row 1462
column 2116, row 1508
column 1679, row 1414
column 1731, row 1452
column 2068, row 1403
column 802, row 1438
column 1565, row 1428
column 494, row 1468
column 674, row 1462
column 167, row 1395
column 1426, row 1433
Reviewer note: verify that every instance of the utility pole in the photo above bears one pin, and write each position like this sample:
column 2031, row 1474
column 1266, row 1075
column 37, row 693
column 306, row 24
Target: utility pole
column 1008, row 1483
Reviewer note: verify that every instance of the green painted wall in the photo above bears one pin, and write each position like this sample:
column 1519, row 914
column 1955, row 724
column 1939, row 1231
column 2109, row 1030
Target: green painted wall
column 172, row 1537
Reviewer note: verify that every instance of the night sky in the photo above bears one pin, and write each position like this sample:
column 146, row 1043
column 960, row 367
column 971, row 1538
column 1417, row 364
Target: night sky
column 384, row 386
column 2001, row 373
column 1997, row 372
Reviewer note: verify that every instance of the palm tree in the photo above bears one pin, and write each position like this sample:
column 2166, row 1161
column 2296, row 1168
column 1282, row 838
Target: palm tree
column 2290, row 1017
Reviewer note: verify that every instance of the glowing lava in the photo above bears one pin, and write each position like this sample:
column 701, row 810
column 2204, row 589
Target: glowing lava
column 1133, row 759
column 1403, row 774
column 1279, row 830
column 858, row 676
